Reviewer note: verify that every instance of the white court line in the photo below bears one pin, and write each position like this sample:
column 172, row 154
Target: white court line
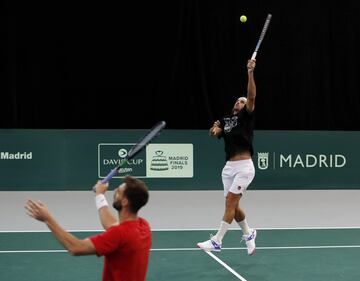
column 32, row 251
column 225, row 265
column 197, row 249
column 268, row 248
column 194, row 229
column 263, row 228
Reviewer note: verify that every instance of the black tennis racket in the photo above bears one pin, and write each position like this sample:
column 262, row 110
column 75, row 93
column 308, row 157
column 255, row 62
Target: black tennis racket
column 145, row 140
column 262, row 35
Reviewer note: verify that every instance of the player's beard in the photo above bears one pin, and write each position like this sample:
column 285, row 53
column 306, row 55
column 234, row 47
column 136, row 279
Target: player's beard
column 117, row 205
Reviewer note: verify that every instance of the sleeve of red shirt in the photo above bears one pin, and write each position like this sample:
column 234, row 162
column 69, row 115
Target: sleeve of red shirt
column 108, row 241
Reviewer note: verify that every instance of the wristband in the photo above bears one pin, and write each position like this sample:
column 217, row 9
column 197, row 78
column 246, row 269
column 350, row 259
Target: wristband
column 100, row 201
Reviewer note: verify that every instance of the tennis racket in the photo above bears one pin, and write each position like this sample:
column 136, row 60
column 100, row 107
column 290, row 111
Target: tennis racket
column 262, row 35
column 143, row 142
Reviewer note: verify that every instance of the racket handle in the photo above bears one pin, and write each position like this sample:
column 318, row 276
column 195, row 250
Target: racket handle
column 107, row 178
column 254, row 55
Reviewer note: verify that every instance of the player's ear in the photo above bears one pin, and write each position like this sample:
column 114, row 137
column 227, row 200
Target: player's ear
column 124, row 202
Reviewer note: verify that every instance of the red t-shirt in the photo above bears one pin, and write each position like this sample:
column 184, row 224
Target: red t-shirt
column 126, row 250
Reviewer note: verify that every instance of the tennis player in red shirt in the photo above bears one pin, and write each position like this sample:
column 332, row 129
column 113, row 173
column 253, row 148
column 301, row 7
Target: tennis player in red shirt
column 126, row 242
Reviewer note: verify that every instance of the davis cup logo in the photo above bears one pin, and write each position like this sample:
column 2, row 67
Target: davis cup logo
column 122, row 153
column 159, row 162
column 263, row 160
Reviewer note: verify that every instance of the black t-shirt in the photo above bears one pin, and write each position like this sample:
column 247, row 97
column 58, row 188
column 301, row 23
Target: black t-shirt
column 238, row 133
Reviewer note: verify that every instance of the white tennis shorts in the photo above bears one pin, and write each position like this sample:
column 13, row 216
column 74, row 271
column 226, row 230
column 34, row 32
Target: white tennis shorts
column 237, row 176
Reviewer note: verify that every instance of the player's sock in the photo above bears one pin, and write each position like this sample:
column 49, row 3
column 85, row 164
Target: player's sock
column 244, row 227
column 224, row 226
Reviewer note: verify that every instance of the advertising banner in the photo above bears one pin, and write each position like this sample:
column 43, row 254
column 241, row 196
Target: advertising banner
column 176, row 160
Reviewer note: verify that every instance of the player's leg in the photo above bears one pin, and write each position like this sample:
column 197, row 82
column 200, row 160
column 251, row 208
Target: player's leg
column 244, row 176
column 249, row 234
column 240, row 218
column 214, row 243
column 231, row 202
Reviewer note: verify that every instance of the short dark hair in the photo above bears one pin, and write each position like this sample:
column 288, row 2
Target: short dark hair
column 136, row 192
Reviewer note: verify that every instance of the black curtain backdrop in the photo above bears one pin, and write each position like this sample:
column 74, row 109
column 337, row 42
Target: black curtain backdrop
column 128, row 65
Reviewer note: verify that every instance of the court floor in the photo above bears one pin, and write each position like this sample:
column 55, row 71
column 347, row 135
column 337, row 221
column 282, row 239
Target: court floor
column 282, row 254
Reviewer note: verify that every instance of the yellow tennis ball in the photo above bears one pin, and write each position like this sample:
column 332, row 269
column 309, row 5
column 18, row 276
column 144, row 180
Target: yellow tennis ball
column 243, row 18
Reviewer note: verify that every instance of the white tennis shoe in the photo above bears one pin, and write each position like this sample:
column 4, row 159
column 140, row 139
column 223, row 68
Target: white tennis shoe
column 250, row 242
column 210, row 245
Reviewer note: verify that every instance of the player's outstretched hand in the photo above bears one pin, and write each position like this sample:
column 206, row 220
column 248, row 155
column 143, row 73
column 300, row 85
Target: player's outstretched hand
column 37, row 210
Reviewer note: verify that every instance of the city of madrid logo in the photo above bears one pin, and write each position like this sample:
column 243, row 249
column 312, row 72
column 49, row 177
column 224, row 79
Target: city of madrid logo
column 263, row 160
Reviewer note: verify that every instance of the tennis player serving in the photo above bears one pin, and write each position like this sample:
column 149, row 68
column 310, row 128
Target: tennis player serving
column 126, row 242
column 236, row 129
